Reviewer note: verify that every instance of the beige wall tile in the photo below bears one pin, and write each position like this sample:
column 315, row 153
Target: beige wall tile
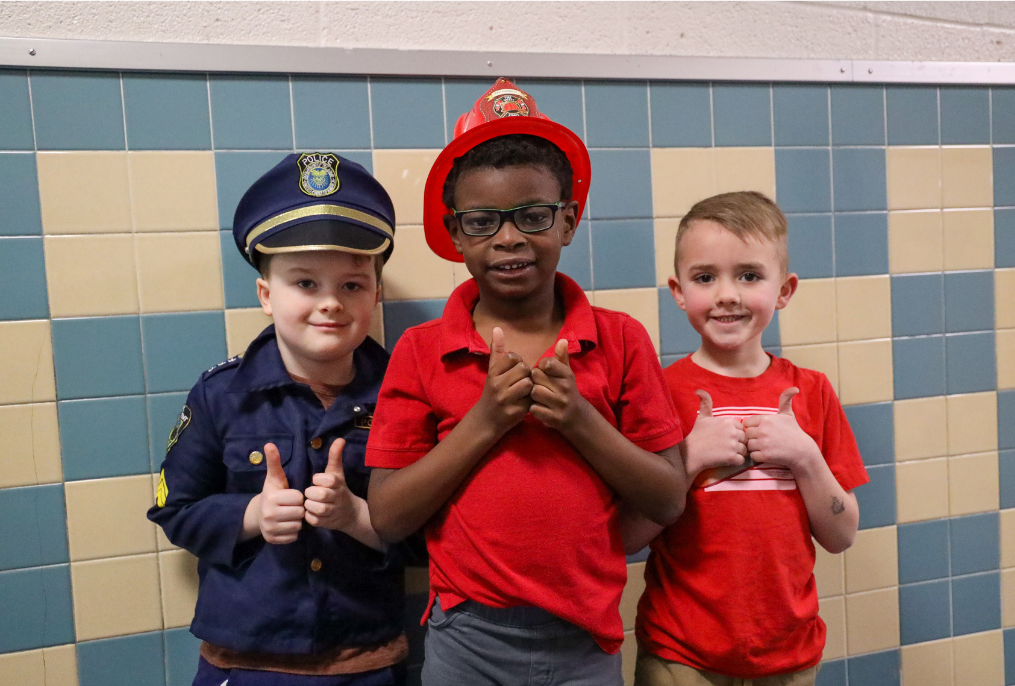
column 628, row 656
column 30, row 438
column 872, row 621
column 377, row 324
column 873, row 560
column 915, row 242
column 1007, row 597
column 162, row 543
column 973, row 484
column 632, row 594
column 810, row 315
column 178, row 574
column 979, row 659
column 242, row 326
column 403, row 174
column 833, row 612
column 173, row 190
column 680, row 178
column 26, row 363
column 105, row 517
column 1007, row 538
column 84, row 192
column 56, row 666
column 91, row 275
column 745, row 169
column 665, row 231
column 829, row 572
column 116, row 596
column 968, row 239
column 914, row 178
column 1006, row 359
column 462, row 272
column 927, row 664
column 967, row 177
column 865, row 372
column 640, row 303
column 1004, row 298
column 414, row 272
column 921, row 428
column 972, row 423
column 863, row 307
column 921, row 490
column 823, row 357
column 179, row 272
column 61, row 665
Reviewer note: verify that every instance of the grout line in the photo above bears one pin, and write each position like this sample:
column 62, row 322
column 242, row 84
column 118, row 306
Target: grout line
column 292, row 111
column 31, row 111
column 211, row 121
column 444, row 108
column 370, row 115
column 123, row 114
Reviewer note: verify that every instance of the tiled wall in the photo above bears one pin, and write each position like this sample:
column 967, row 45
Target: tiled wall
column 119, row 284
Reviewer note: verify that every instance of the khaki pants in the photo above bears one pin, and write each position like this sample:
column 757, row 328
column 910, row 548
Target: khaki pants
column 651, row 670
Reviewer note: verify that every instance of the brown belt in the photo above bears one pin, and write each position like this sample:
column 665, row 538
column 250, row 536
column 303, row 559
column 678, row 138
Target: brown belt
column 338, row 660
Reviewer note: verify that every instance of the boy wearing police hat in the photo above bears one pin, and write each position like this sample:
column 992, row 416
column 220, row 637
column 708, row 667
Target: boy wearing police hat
column 264, row 479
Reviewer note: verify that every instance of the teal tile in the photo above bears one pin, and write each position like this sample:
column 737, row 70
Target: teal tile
column 103, row 437
column 969, row 301
column 251, row 113
column 923, row 551
column 621, row 184
column 917, row 304
column 919, row 367
column 77, row 110
column 623, row 255
column 1002, row 101
column 877, row 497
column 403, row 314
column 235, row 172
column 676, row 335
column 616, row 114
column 975, row 543
column 136, row 660
column 23, row 292
column 19, row 195
column 832, row 673
column 873, row 426
column 1004, row 235
column 35, row 608
column 167, row 111
column 861, row 244
column 1006, row 419
column 576, row 259
column 331, row 113
column 364, row 158
column 971, row 362
column 874, row 669
column 681, row 115
column 803, row 177
column 97, row 357
column 182, row 653
column 1006, row 476
column 811, row 250
column 965, row 115
column 33, row 527
column 770, row 337
column 460, row 96
column 239, row 279
column 858, row 114
column 912, row 115
column 1004, row 177
column 1009, row 656
column 859, row 179
column 179, row 347
column 742, row 114
column 163, row 411
column 561, row 101
column 800, row 115
column 407, row 113
column 924, row 611
column 976, row 603
column 15, row 112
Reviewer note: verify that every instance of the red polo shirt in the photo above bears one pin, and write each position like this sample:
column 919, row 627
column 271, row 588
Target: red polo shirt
column 533, row 524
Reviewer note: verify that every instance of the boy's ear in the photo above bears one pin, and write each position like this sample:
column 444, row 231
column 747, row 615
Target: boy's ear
column 570, row 214
column 452, row 226
column 263, row 293
column 787, row 290
column 678, row 293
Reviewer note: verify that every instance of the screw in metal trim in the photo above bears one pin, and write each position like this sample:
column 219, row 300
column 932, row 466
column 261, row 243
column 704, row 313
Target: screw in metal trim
column 32, row 52
column 489, row 63
column 842, row 70
column 870, row 71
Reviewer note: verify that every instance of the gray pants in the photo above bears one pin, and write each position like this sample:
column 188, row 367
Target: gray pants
column 476, row 645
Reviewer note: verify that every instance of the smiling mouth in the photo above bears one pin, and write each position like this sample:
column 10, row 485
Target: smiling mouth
column 511, row 266
column 730, row 318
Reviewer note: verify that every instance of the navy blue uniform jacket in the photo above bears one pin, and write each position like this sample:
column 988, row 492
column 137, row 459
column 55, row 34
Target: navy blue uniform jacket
column 255, row 596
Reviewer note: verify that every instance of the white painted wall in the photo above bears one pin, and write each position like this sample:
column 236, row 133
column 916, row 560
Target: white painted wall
column 951, row 31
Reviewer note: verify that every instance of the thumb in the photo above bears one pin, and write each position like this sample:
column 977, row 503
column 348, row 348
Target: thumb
column 276, row 476
column 497, row 347
column 786, row 400
column 705, row 409
column 560, row 352
column 335, row 458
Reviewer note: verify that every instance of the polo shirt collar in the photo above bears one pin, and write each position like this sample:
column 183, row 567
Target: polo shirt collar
column 458, row 333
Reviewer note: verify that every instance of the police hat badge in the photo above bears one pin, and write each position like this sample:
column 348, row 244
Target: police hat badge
column 318, row 174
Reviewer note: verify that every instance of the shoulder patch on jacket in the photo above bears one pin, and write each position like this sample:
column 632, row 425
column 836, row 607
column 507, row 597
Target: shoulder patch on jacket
column 226, row 364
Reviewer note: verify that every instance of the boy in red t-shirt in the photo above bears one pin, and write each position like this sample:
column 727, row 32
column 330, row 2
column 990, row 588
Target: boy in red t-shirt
column 730, row 590
column 515, row 457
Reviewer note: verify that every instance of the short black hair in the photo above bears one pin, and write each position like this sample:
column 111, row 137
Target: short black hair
column 512, row 150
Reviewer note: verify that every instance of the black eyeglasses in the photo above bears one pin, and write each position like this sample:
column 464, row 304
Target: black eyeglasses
column 528, row 219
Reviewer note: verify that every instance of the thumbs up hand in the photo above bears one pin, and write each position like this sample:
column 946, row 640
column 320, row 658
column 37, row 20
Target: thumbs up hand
column 330, row 504
column 505, row 399
column 556, row 401
column 714, row 442
column 280, row 508
column 778, row 438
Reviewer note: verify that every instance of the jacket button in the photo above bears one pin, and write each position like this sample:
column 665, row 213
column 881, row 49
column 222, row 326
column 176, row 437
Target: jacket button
column 315, row 565
column 256, row 457
column 357, row 409
column 316, row 443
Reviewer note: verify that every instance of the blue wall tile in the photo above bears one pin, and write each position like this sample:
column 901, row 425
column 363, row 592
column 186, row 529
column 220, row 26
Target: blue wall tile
column 976, row 603
column 234, row 174
column 859, row 179
column 803, row 179
column 104, row 437
column 861, row 244
column 971, row 362
column 811, row 255
column 874, row 428
column 681, row 115
column 924, row 612
column 561, row 101
column 917, row 304
column 97, row 357
column 1004, row 177
column 667, row 360
column 136, row 660
column 331, row 113
column 770, row 337
column 742, row 114
column 251, row 113
column 858, row 115
column 801, row 115
column 576, row 259
column 238, row 277
column 976, row 543
column 407, row 113
column 460, row 96
column 400, row 315
column 832, row 673
column 1006, row 469
column 621, row 184
column 15, row 112
column 969, row 301
column 1003, row 115
column 877, row 498
column 167, row 111
column 1006, row 419
column 35, row 608
column 19, row 196
column 1009, row 656
column 676, row 335
column 1004, row 236
column 23, row 292
column 923, row 551
column 182, row 653
column 912, row 115
column 77, row 110
column 364, row 158
column 965, row 115
column 179, row 347
column 616, row 114
column 163, row 411
column 874, row 669
column 623, row 254
column 33, row 526
column 919, row 367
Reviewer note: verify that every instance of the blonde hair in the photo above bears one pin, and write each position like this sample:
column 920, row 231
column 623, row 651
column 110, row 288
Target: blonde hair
column 745, row 214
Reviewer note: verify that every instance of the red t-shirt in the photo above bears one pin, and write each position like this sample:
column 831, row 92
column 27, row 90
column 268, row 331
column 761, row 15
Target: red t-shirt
column 533, row 524
column 729, row 587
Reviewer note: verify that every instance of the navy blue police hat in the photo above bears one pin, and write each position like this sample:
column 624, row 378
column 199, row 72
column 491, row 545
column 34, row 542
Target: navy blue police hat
column 315, row 201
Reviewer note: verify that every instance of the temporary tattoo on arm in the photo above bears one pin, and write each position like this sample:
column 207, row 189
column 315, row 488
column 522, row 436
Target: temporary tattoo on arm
column 838, row 507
